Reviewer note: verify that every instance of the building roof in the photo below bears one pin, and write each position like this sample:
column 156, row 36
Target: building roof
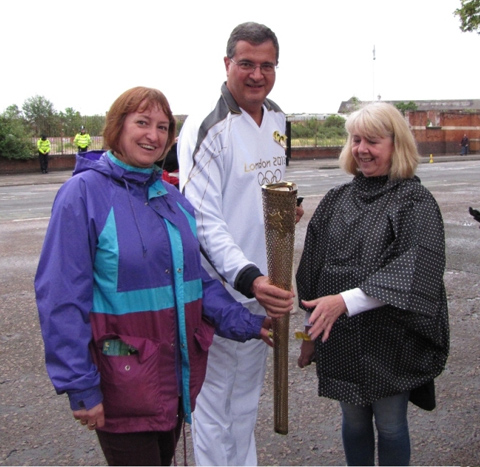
column 307, row 116
column 453, row 104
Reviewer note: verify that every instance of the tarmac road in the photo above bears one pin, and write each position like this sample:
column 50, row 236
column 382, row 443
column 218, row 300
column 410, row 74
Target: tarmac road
column 37, row 426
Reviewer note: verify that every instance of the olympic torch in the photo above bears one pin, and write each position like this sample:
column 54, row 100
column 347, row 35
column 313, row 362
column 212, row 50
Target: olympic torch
column 279, row 203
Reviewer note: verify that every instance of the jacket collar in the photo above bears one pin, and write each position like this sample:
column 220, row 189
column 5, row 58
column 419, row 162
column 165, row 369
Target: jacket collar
column 232, row 103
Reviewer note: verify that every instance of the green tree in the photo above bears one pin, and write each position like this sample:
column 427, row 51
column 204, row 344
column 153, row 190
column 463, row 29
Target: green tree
column 356, row 103
column 15, row 142
column 305, row 129
column 403, row 107
column 94, row 124
column 469, row 15
column 335, row 121
column 41, row 115
column 71, row 121
column 179, row 126
column 328, row 132
column 13, row 111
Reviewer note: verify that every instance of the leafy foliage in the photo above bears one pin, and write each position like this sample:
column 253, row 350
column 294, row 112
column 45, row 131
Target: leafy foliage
column 15, row 142
column 70, row 120
column 328, row 132
column 179, row 125
column 94, row 124
column 356, row 103
column 39, row 113
column 20, row 127
column 40, row 116
column 13, row 112
column 404, row 107
column 335, row 121
column 469, row 15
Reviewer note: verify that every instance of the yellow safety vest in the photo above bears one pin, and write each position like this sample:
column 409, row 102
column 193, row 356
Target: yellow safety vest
column 82, row 141
column 43, row 145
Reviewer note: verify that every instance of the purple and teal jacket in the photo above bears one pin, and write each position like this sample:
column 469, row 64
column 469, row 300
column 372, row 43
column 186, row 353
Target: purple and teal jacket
column 121, row 261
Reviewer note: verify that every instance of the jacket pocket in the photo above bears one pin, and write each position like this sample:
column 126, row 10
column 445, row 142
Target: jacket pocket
column 204, row 335
column 203, row 338
column 130, row 383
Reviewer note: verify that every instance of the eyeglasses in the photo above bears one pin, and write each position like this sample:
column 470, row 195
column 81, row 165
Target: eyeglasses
column 249, row 67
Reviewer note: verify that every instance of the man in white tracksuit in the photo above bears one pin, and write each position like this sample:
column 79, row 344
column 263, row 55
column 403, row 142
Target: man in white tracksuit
column 225, row 155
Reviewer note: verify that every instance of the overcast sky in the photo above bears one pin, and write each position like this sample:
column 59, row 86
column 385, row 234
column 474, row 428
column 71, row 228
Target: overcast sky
column 85, row 54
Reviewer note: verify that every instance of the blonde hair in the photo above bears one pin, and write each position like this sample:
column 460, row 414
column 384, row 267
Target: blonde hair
column 382, row 120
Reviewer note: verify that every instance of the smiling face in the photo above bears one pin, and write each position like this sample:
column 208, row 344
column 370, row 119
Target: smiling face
column 250, row 89
column 143, row 138
column 373, row 155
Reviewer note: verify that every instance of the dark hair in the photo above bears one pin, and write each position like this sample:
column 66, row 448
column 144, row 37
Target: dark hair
column 254, row 33
column 133, row 100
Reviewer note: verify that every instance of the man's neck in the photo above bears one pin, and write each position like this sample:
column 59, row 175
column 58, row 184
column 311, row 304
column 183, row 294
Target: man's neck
column 257, row 115
column 255, row 111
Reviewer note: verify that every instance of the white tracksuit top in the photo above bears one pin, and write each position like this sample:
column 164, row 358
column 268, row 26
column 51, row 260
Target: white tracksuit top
column 224, row 159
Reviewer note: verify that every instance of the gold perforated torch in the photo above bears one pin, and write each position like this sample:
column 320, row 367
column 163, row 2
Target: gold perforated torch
column 279, row 203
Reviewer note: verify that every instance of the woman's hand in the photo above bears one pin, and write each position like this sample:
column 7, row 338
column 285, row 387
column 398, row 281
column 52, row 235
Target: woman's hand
column 265, row 331
column 326, row 311
column 307, row 352
column 298, row 214
column 93, row 418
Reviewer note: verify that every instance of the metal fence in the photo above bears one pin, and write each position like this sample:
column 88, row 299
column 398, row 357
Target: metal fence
column 64, row 145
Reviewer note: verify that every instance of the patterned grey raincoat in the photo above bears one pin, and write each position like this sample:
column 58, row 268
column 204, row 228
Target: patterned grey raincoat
column 385, row 237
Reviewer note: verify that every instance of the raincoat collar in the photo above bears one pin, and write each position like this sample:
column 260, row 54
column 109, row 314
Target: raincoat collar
column 109, row 165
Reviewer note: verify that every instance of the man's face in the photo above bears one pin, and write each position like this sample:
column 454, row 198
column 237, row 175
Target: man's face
column 250, row 88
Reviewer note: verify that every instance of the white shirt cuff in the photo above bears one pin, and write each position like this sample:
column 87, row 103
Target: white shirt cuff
column 357, row 301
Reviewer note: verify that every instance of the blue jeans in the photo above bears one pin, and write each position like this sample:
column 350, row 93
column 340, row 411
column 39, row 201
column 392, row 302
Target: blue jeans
column 392, row 426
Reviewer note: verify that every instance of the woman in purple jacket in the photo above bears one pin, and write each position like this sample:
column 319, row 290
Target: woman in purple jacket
column 126, row 310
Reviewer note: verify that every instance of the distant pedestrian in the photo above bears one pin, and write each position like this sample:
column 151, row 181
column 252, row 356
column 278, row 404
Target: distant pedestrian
column 82, row 140
column 464, row 144
column 43, row 146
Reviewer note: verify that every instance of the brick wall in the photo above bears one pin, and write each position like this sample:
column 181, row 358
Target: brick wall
column 60, row 162
column 316, row 152
column 440, row 132
column 67, row 162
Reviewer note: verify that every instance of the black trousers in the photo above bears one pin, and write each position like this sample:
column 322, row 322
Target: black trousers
column 43, row 161
column 143, row 448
